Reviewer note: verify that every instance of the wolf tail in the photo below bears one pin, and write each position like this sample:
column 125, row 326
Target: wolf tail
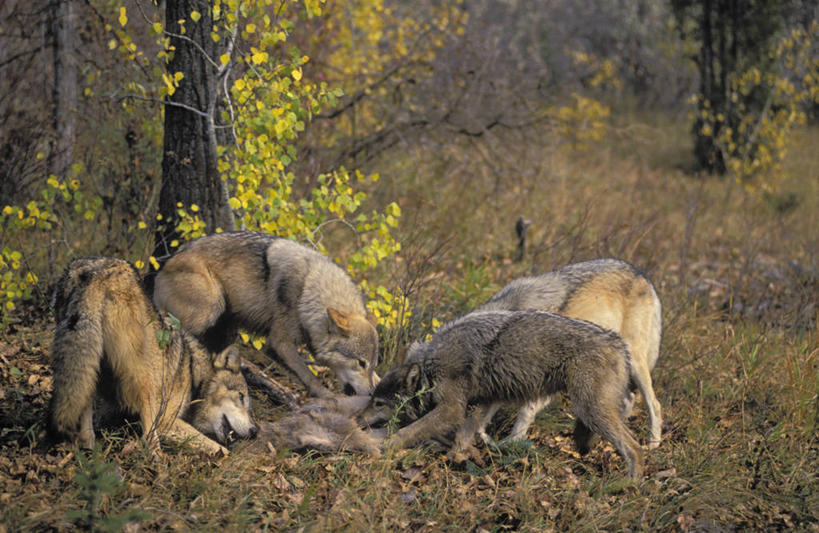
column 76, row 357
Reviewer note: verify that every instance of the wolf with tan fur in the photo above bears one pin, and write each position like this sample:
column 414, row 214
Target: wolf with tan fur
column 111, row 344
column 275, row 287
column 608, row 292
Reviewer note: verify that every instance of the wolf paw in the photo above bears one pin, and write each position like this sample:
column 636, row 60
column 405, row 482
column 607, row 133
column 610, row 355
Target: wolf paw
column 469, row 453
column 218, row 450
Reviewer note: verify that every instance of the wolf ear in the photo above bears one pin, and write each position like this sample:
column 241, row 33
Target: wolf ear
column 341, row 320
column 227, row 358
column 413, row 378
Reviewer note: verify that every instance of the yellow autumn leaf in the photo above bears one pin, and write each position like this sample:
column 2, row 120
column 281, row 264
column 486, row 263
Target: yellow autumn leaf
column 123, row 18
column 195, row 16
column 224, row 59
column 297, row 74
column 258, row 56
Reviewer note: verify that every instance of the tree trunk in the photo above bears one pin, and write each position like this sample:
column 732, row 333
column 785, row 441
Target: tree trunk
column 189, row 172
column 705, row 150
column 64, row 92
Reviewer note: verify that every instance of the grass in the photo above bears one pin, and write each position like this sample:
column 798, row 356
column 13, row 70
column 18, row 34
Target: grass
column 738, row 273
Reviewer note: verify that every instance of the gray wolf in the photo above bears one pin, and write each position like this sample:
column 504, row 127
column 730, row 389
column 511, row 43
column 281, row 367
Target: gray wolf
column 513, row 357
column 275, row 287
column 111, row 344
column 325, row 424
column 610, row 293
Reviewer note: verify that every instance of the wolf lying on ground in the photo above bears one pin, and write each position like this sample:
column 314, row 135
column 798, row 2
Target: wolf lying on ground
column 325, row 424
column 275, row 287
column 491, row 357
column 608, row 292
column 110, row 342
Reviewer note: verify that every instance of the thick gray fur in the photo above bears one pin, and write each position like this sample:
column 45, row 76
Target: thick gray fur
column 609, row 292
column 493, row 357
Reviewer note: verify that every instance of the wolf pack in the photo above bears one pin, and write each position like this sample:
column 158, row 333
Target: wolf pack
column 165, row 354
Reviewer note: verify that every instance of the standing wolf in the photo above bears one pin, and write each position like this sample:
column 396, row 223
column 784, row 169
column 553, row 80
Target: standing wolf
column 607, row 292
column 491, row 357
column 275, row 287
column 107, row 344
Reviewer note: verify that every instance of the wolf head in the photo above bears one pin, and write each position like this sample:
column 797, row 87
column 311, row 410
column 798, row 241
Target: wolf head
column 405, row 388
column 223, row 406
column 351, row 351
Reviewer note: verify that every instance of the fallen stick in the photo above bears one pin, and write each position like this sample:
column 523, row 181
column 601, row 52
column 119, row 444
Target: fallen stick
column 257, row 377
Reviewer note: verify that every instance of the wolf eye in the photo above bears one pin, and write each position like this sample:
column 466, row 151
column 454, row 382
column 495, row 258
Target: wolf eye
column 241, row 397
column 362, row 363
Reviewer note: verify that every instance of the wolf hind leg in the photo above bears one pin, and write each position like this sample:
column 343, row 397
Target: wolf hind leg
column 606, row 421
column 628, row 404
column 86, row 435
column 584, row 438
column 642, row 376
column 619, row 435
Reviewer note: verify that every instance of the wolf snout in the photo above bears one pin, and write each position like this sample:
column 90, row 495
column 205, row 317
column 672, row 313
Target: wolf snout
column 229, row 432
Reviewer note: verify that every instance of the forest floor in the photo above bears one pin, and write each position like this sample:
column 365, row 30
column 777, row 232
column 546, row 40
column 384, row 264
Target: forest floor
column 738, row 376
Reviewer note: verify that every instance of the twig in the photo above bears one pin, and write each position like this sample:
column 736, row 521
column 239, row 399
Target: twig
column 163, row 102
column 257, row 377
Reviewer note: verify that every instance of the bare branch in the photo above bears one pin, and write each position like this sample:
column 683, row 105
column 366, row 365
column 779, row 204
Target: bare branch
column 163, row 102
column 257, row 377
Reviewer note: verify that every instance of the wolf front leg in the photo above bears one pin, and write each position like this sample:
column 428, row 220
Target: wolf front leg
column 465, row 435
column 526, row 415
column 449, row 413
column 286, row 353
column 181, row 432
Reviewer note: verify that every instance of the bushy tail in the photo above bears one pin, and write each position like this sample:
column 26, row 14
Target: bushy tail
column 76, row 355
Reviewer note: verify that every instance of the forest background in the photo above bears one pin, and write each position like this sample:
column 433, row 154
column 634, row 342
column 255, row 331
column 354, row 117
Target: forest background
column 406, row 140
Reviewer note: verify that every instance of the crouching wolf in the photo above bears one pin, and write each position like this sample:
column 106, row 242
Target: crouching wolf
column 610, row 293
column 107, row 345
column 278, row 288
column 485, row 358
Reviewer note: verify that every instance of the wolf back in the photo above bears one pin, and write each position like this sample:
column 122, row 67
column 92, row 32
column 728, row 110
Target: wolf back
column 106, row 344
column 275, row 287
